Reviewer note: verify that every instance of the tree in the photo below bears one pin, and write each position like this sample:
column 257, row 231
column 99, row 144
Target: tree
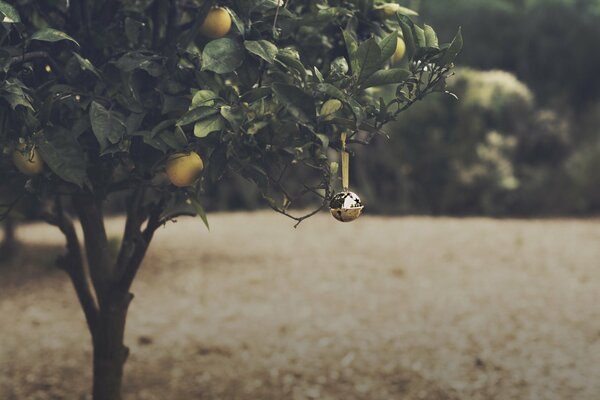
column 109, row 92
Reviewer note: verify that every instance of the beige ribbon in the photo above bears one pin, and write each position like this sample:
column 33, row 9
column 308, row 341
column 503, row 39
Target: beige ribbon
column 345, row 163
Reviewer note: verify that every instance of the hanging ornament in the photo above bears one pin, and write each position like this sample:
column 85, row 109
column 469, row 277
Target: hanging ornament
column 345, row 206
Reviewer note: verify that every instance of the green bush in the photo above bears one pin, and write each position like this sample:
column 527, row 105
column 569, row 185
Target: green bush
column 451, row 156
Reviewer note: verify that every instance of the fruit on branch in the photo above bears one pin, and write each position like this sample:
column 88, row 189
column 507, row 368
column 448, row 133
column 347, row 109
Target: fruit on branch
column 28, row 160
column 216, row 24
column 400, row 51
column 183, row 169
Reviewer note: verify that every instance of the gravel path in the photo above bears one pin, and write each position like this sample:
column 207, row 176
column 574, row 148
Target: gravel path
column 384, row 308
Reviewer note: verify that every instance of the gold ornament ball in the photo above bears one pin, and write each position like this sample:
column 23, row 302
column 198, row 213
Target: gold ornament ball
column 183, row 169
column 216, row 24
column 27, row 160
column 346, row 206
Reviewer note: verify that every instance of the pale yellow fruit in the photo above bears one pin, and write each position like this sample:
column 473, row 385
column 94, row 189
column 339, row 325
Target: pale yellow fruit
column 400, row 51
column 183, row 169
column 217, row 23
column 27, row 160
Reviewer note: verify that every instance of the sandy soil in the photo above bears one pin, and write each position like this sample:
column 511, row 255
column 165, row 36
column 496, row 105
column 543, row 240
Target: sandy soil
column 384, row 308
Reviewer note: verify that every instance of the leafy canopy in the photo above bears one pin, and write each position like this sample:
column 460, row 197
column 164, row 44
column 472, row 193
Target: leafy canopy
column 106, row 90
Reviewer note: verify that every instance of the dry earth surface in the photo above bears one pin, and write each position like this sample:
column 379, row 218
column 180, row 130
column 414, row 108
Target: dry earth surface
column 384, row 308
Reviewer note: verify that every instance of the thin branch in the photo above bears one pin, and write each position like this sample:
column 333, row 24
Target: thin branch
column 33, row 55
column 141, row 247
column 133, row 224
column 300, row 219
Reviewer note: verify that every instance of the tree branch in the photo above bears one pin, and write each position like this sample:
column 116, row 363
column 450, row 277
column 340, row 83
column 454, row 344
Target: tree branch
column 96, row 245
column 134, row 261
column 33, row 55
column 74, row 266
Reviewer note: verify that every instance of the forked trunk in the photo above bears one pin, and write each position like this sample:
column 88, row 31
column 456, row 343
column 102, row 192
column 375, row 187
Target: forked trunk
column 110, row 353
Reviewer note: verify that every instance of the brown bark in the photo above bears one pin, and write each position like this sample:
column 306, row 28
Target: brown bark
column 110, row 353
column 9, row 246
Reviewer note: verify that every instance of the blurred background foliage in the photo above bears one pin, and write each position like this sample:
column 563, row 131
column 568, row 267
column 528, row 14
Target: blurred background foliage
column 523, row 140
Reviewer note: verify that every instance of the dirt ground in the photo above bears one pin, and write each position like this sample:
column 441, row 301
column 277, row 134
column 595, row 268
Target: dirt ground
column 383, row 308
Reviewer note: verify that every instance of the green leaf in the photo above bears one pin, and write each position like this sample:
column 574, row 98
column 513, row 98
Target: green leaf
column 431, row 39
column 291, row 60
column 140, row 60
column 453, row 50
column 388, row 46
column 233, row 115
column 12, row 91
column 195, row 203
column 406, row 11
column 133, row 29
column 387, row 77
column 256, row 94
column 366, row 60
column 351, row 42
column 239, row 24
column 52, row 35
column 10, row 14
column 175, row 139
column 196, row 114
column 419, row 35
column 108, row 126
column 205, row 127
column 134, row 121
column 324, row 140
column 262, row 48
column 203, row 98
column 297, row 102
column 407, row 33
column 222, row 56
column 86, row 64
column 355, row 106
column 256, row 127
column 161, row 126
column 64, row 155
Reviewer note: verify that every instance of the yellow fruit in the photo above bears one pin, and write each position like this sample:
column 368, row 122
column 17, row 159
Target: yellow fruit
column 217, row 23
column 400, row 51
column 28, row 160
column 330, row 107
column 183, row 169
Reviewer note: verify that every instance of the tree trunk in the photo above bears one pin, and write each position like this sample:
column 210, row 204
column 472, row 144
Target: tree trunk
column 109, row 351
column 9, row 245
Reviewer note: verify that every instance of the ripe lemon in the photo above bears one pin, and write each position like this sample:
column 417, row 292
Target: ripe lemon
column 183, row 169
column 28, row 160
column 217, row 23
column 400, row 51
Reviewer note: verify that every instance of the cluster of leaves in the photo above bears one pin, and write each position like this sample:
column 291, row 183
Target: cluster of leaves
column 106, row 90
